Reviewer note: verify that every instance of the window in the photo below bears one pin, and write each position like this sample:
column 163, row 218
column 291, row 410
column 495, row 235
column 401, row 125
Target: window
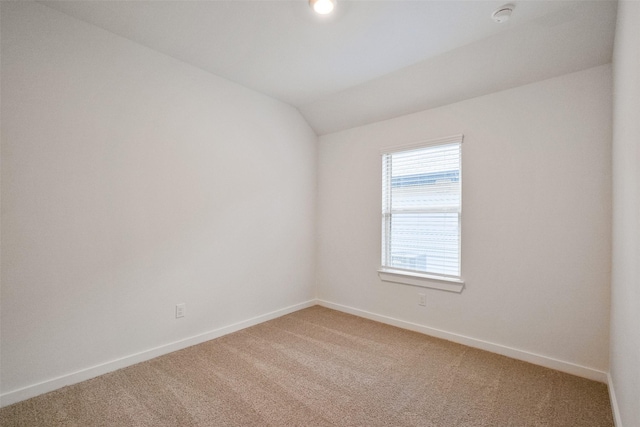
column 421, row 213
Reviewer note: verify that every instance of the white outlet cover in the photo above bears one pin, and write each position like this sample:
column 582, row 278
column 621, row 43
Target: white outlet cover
column 422, row 299
column 180, row 310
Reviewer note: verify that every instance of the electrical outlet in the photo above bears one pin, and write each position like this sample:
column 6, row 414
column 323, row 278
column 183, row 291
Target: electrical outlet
column 422, row 299
column 180, row 310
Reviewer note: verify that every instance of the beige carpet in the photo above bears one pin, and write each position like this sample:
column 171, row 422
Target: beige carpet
column 319, row 367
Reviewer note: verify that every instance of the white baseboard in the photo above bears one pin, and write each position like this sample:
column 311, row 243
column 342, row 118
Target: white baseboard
column 24, row 393
column 617, row 420
column 536, row 359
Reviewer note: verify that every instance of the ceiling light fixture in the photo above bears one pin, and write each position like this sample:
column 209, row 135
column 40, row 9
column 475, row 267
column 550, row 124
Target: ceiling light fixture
column 322, row 7
column 503, row 13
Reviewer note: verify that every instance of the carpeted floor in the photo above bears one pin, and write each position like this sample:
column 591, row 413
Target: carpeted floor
column 320, row 367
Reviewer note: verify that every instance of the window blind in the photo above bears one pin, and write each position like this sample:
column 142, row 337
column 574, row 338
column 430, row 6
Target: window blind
column 421, row 209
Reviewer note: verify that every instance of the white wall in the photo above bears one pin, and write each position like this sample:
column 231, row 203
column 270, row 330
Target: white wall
column 625, row 300
column 536, row 221
column 132, row 182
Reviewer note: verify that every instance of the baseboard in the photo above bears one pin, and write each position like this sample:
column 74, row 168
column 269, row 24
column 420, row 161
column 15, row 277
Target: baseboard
column 617, row 420
column 536, row 359
column 24, row 393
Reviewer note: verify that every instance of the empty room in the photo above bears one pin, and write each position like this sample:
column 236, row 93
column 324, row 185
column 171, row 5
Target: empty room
column 320, row 213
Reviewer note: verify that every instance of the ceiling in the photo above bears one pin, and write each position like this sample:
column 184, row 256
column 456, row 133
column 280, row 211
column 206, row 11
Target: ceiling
column 371, row 60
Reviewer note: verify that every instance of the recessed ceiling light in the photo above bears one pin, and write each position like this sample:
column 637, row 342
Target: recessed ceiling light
column 503, row 13
column 322, row 7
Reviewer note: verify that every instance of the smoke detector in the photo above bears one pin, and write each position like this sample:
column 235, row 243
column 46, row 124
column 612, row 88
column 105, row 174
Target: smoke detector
column 503, row 13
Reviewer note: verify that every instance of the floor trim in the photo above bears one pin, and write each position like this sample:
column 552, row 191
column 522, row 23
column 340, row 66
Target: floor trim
column 24, row 393
column 97, row 370
column 617, row 420
column 536, row 359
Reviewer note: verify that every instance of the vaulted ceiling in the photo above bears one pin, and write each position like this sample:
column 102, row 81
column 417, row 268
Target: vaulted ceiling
column 371, row 60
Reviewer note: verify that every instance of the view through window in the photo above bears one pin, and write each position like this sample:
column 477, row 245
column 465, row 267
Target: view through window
column 421, row 208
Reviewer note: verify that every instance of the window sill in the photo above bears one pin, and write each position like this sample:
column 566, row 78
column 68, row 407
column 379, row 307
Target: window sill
column 423, row 280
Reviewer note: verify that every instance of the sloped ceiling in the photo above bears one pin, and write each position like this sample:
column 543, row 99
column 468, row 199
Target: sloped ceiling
column 372, row 60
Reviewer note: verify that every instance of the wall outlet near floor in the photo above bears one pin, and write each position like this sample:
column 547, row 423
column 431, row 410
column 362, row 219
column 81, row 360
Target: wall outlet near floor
column 422, row 299
column 181, row 310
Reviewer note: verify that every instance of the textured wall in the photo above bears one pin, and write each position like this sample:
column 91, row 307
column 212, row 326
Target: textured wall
column 625, row 295
column 536, row 221
column 132, row 182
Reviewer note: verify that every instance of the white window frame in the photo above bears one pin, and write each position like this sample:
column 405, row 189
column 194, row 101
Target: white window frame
column 441, row 282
